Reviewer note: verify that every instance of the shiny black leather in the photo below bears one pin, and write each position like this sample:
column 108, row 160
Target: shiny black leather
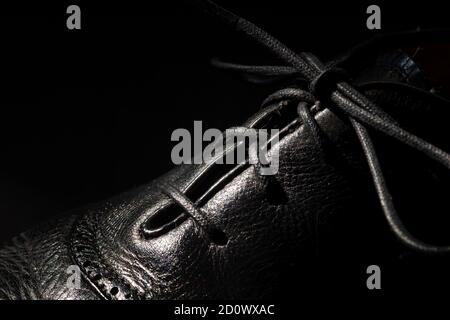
column 273, row 226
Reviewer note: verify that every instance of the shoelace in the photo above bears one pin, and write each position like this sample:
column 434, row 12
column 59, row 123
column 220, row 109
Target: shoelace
column 327, row 83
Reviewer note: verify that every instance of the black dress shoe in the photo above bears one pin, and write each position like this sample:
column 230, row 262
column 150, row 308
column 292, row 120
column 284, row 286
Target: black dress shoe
column 213, row 231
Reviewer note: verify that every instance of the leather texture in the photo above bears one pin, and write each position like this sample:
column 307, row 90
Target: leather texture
column 274, row 227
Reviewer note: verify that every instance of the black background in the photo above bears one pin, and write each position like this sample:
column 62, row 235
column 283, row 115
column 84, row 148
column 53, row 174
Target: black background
column 86, row 114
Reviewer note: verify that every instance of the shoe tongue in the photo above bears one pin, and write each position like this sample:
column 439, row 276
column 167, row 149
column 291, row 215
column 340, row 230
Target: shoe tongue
column 394, row 66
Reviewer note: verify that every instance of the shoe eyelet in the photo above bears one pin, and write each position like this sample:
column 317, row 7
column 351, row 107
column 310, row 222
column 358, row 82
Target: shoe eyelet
column 114, row 291
column 97, row 277
column 218, row 237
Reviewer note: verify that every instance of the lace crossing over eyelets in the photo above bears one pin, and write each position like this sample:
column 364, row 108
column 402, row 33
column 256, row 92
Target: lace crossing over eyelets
column 326, row 83
column 175, row 213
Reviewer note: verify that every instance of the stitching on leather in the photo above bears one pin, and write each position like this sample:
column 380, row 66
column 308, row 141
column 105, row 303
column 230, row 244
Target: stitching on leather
column 95, row 269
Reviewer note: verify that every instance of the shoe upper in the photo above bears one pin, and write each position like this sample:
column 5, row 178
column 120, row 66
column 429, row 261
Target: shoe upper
column 143, row 245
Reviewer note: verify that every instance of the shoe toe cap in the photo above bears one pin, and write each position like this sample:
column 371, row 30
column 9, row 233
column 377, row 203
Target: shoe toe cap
column 37, row 265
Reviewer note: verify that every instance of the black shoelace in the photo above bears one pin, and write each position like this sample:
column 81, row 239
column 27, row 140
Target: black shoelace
column 327, row 83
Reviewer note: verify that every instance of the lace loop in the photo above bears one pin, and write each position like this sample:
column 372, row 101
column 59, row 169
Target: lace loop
column 214, row 233
column 328, row 83
column 289, row 94
column 311, row 124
